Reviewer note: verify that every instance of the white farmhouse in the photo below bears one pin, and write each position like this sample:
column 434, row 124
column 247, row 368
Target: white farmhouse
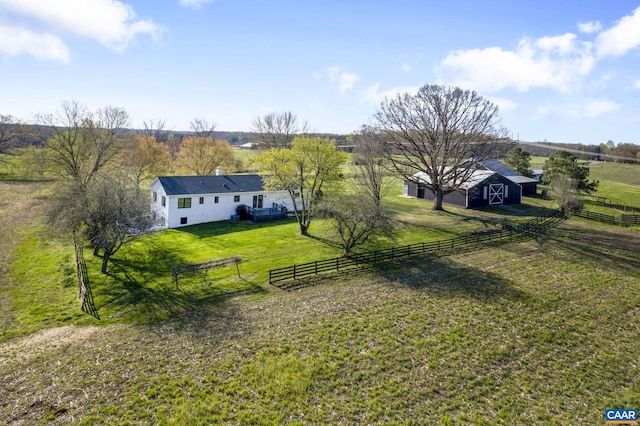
column 189, row 200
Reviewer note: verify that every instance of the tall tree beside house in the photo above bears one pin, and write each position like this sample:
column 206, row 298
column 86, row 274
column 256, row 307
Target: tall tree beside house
column 81, row 143
column 305, row 170
column 201, row 156
column 111, row 212
column 565, row 163
column 437, row 131
column 277, row 130
column 90, row 196
column 520, row 161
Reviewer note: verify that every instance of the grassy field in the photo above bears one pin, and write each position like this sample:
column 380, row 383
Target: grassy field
column 543, row 331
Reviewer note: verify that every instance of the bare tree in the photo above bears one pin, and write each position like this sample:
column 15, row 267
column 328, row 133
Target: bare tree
column 371, row 165
column 10, row 130
column 356, row 219
column 565, row 190
column 277, row 130
column 202, row 128
column 437, row 131
column 156, row 129
column 81, row 143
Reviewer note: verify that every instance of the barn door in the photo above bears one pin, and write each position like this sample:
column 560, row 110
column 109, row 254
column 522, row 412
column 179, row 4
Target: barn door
column 496, row 193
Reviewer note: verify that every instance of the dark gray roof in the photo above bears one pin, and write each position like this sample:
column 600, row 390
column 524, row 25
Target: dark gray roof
column 225, row 184
column 497, row 166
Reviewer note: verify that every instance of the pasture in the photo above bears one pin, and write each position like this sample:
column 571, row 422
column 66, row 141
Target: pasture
column 542, row 331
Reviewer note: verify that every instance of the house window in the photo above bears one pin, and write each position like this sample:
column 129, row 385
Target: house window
column 164, row 201
column 155, row 196
column 236, row 198
column 184, row 203
column 201, row 200
column 183, row 221
column 216, row 199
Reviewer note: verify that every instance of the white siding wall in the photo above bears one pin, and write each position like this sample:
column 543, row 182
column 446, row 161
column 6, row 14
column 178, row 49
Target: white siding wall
column 161, row 212
column 209, row 211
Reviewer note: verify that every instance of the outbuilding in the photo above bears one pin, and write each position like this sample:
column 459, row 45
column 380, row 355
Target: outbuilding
column 529, row 185
column 188, row 200
column 484, row 188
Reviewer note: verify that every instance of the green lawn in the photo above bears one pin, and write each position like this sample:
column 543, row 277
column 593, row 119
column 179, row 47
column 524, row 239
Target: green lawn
column 536, row 332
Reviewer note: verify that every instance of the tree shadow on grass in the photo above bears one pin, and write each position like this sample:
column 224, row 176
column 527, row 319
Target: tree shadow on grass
column 612, row 250
column 140, row 285
column 445, row 278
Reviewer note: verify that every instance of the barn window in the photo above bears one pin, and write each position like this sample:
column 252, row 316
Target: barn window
column 484, row 193
column 164, row 201
column 184, row 203
column 155, row 196
column 201, row 200
column 183, row 221
column 216, row 199
column 236, row 198
column 506, row 191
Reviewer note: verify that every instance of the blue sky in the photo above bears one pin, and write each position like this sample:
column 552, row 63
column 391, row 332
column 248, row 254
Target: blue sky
column 564, row 71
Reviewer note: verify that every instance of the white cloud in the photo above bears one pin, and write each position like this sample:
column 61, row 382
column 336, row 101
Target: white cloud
column 344, row 80
column 110, row 22
column 637, row 84
column 621, row 38
column 504, row 104
column 589, row 27
column 196, row 4
column 557, row 62
column 375, row 96
column 595, row 108
column 18, row 41
column 406, row 67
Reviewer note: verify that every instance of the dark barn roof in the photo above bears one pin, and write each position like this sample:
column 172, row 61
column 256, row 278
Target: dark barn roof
column 185, row 185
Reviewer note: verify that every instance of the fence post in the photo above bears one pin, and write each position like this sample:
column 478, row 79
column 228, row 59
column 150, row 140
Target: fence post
column 294, row 272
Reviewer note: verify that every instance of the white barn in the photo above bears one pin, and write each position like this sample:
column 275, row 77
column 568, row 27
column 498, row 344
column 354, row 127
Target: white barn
column 189, row 200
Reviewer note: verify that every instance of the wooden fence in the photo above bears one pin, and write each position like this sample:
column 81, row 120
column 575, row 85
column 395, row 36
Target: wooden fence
column 532, row 228
column 84, row 289
column 625, row 219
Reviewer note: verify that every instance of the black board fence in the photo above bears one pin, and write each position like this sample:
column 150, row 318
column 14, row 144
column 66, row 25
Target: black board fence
column 531, row 228
column 625, row 219
column 84, row 289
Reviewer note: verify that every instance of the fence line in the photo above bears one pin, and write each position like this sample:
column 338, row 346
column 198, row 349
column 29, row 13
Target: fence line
column 533, row 227
column 84, row 289
column 625, row 219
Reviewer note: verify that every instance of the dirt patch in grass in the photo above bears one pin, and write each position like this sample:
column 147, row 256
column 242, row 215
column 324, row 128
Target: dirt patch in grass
column 43, row 341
